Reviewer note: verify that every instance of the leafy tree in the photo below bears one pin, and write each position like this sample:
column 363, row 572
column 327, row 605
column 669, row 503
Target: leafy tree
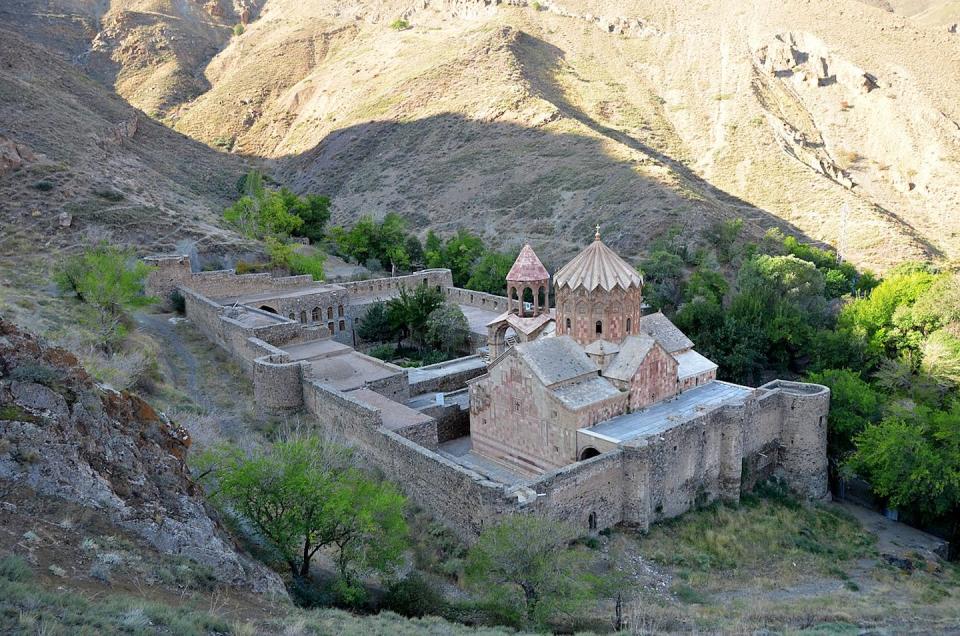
column 409, row 311
column 433, row 250
column 775, row 279
column 706, row 285
column 723, row 235
column 913, row 460
column 941, row 354
column 663, row 276
column 302, row 495
column 313, row 210
column 376, row 325
column 526, row 564
column 289, row 256
column 854, row 405
column 414, row 251
column 109, row 279
column 460, row 254
column 448, row 329
column 359, row 241
column 490, row 273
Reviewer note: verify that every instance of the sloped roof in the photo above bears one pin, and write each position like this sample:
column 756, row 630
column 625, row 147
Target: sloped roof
column 556, row 359
column 527, row 267
column 597, row 266
column 602, row 347
column 692, row 363
column 665, row 332
column 633, row 352
column 580, row 394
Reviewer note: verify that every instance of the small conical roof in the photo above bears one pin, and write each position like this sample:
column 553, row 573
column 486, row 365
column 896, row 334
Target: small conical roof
column 527, row 267
column 597, row 266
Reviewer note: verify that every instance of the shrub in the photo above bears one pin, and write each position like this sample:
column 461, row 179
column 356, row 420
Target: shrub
column 43, row 185
column 15, row 568
column 238, row 29
column 399, row 25
column 414, row 597
column 383, row 352
column 178, row 302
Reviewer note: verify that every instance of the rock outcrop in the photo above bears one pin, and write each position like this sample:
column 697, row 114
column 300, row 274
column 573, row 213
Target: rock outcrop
column 63, row 435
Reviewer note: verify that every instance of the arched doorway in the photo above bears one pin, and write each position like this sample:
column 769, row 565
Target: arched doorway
column 588, row 452
column 268, row 308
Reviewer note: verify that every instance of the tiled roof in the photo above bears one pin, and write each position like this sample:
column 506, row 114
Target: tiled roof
column 580, row 394
column 527, row 267
column 556, row 359
column 597, row 266
column 633, row 351
column 665, row 332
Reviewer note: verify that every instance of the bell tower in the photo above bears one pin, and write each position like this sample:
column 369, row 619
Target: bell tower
column 527, row 284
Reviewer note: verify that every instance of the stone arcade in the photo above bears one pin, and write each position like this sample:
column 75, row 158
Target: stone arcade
column 589, row 411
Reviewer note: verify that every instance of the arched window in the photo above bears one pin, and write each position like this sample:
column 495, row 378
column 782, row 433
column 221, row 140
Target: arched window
column 303, row 316
column 343, row 325
column 588, row 452
column 330, row 326
column 568, row 324
column 629, row 324
column 340, row 310
column 329, row 313
column 315, row 314
column 599, row 327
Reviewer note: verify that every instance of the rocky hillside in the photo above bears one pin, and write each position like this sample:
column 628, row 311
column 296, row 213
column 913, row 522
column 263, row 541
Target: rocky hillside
column 836, row 120
column 63, row 436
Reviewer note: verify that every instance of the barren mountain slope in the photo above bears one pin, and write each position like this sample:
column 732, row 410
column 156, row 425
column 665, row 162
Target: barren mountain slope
column 70, row 150
column 535, row 124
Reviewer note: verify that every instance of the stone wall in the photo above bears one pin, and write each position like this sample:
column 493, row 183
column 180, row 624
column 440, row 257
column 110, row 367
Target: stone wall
column 482, row 300
column 464, row 500
column 226, row 283
column 388, row 287
column 803, row 436
column 277, row 382
column 452, row 421
column 587, row 494
column 445, row 383
column 166, row 274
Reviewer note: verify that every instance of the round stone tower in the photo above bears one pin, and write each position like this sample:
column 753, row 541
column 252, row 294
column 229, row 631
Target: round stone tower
column 527, row 273
column 598, row 296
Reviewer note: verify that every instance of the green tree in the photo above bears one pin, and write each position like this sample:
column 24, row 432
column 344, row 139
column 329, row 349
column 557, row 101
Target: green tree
column 433, row 250
column 376, row 325
column 941, row 354
column 359, row 242
column 461, row 252
column 723, row 235
column 912, row 459
column 663, row 277
column 707, row 285
column 110, row 280
column 527, row 566
column 854, row 405
column 490, row 273
column 313, row 210
column 448, row 329
column 303, row 494
column 408, row 312
column 415, row 251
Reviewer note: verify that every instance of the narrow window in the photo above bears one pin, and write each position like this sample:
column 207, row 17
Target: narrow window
column 315, row 314
column 599, row 327
column 628, row 325
column 592, row 521
column 330, row 327
column 329, row 313
column 340, row 310
column 343, row 325
column 303, row 316
column 568, row 324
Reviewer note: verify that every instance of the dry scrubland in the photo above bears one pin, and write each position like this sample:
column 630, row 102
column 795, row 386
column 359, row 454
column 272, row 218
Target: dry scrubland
column 511, row 118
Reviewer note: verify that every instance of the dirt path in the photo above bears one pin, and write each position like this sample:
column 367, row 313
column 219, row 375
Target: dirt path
column 180, row 364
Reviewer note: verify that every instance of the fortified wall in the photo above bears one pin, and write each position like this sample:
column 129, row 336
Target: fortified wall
column 779, row 428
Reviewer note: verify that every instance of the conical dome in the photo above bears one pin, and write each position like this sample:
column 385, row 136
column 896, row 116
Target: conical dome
column 527, row 267
column 597, row 266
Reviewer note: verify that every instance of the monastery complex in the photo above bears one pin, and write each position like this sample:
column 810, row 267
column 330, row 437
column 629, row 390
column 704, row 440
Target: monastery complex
column 590, row 410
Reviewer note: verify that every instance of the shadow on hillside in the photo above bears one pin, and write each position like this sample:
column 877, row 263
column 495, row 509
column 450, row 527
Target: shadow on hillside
column 513, row 183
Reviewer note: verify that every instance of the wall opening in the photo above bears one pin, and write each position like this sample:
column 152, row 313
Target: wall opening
column 599, row 327
column 315, row 314
column 268, row 308
column 568, row 324
column 592, row 521
column 629, row 324
column 588, row 452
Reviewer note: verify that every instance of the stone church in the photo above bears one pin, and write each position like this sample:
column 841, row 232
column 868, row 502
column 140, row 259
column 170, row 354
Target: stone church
column 589, row 360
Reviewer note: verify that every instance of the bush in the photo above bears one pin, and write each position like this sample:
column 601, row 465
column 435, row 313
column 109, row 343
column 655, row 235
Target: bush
column 383, row 352
column 399, row 25
column 43, row 185
column 414, row 597
column 15, row 568
column 178, row 302
column 238, row 29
